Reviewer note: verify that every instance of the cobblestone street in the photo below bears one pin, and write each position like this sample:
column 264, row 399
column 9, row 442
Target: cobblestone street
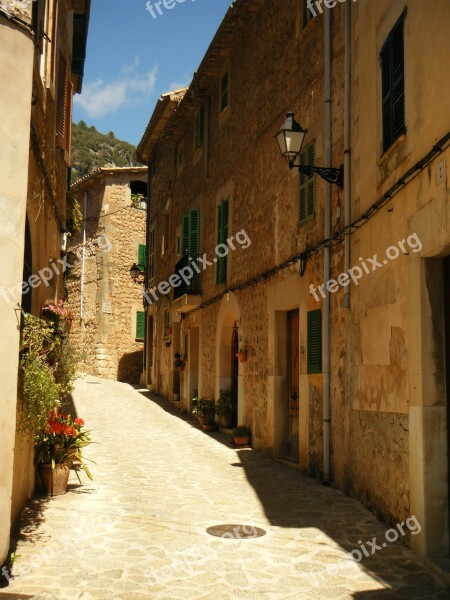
column 138, row 531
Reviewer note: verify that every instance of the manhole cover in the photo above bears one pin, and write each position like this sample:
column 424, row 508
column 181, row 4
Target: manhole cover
column 236, row 532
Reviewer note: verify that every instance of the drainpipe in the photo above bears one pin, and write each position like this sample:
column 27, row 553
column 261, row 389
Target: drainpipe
column 84, row 257
column 347, row 198
column 327, row 250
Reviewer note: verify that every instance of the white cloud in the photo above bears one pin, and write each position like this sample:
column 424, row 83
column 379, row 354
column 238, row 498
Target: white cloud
column 100, row 98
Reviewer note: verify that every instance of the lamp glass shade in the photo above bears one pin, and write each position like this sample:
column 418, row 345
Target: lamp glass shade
column 290, row 138
column 134, row 271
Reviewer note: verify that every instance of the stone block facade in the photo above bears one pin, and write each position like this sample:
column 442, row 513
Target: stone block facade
column 102, row 297
column 214, row 142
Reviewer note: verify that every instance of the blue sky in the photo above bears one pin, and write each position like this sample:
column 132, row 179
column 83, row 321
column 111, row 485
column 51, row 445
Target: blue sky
column 133, row 58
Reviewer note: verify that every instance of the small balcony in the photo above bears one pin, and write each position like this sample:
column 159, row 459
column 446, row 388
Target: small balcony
column 187, row 295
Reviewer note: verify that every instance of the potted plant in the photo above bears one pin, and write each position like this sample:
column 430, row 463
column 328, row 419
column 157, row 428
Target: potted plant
column 206, row 410
column 194, row 404
column 226, row 408
column 242, row 354
column 179, row 362
column 241, row 435
column 58, row 445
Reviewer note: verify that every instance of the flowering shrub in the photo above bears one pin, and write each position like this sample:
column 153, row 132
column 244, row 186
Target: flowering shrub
column 62, row 440
column 55, row 310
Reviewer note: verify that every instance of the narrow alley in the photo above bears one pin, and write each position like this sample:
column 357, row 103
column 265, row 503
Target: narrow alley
column 138, row 530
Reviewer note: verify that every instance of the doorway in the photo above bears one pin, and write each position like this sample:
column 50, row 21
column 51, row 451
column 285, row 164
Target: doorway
column 292, row 400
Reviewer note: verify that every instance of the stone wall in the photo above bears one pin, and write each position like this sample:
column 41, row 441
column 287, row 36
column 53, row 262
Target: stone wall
column 104, row 299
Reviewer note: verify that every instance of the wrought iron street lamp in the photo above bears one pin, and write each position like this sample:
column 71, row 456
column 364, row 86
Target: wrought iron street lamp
column 136, row 273
column 290, row 141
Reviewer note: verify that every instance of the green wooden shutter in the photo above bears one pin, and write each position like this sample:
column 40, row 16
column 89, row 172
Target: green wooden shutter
column 194, row 232
column 315, row 341
column 142, row 256
column 222, row 236
column 178, row 248
column 392, row 85
column 185, row 235
column 140, row 325
column 307, row 185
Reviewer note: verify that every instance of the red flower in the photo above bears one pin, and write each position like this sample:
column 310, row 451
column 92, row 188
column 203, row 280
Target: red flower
column 79, row 422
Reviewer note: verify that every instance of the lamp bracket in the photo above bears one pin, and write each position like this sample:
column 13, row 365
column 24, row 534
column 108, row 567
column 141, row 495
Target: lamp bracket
column 330, row 174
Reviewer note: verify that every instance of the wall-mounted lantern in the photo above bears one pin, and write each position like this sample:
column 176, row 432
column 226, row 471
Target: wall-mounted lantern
column 290, row 141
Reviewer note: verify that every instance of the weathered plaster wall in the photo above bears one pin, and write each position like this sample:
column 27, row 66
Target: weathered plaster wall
column 16, row 56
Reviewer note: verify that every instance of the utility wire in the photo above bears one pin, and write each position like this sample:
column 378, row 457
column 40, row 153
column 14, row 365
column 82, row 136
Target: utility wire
column 339, row 235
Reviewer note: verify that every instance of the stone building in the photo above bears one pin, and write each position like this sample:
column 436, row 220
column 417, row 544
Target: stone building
column 337, row 295
column 42, row 52
column 108, row 326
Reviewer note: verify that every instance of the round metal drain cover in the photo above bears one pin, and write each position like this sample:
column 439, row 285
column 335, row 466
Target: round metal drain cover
column 236, row 532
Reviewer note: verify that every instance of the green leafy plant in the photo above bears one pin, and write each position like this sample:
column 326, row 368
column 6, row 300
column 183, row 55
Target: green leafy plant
column 205, row 409
column 74, row 219
column 226, row 404
column 241, row 431
column 39, row 390
column 65, row 360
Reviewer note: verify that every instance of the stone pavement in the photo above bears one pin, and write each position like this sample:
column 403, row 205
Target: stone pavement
column 138, row 531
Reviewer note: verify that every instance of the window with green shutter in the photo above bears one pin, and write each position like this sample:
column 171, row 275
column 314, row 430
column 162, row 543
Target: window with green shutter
column 140, row 325
column 307, row 185
column 199, row 127
column 190, row 239
column 142, row 257
column 314, row 341
column 185, row 235
column 222, row 236
column 393, row 85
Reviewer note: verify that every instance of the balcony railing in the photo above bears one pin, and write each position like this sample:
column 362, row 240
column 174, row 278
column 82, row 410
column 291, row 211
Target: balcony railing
column 193, row 287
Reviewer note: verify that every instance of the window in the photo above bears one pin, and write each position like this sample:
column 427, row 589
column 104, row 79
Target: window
column 189, row 245
column 224, row 92
column 142, row 257
column 222, row 236
column 151, row 254
column 315, row 341
column 199, row 124
column 392, row 84
column 190, row 231
column 64, row 106
column 307, row 185
column 140, row 325
column 307, row 13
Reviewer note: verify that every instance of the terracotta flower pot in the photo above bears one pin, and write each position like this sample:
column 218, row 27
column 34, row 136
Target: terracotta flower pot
column 226, row 421
column 242, row 356
column 209, row 427
column 54, row 482
column 202, row 420
column 242, row 441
